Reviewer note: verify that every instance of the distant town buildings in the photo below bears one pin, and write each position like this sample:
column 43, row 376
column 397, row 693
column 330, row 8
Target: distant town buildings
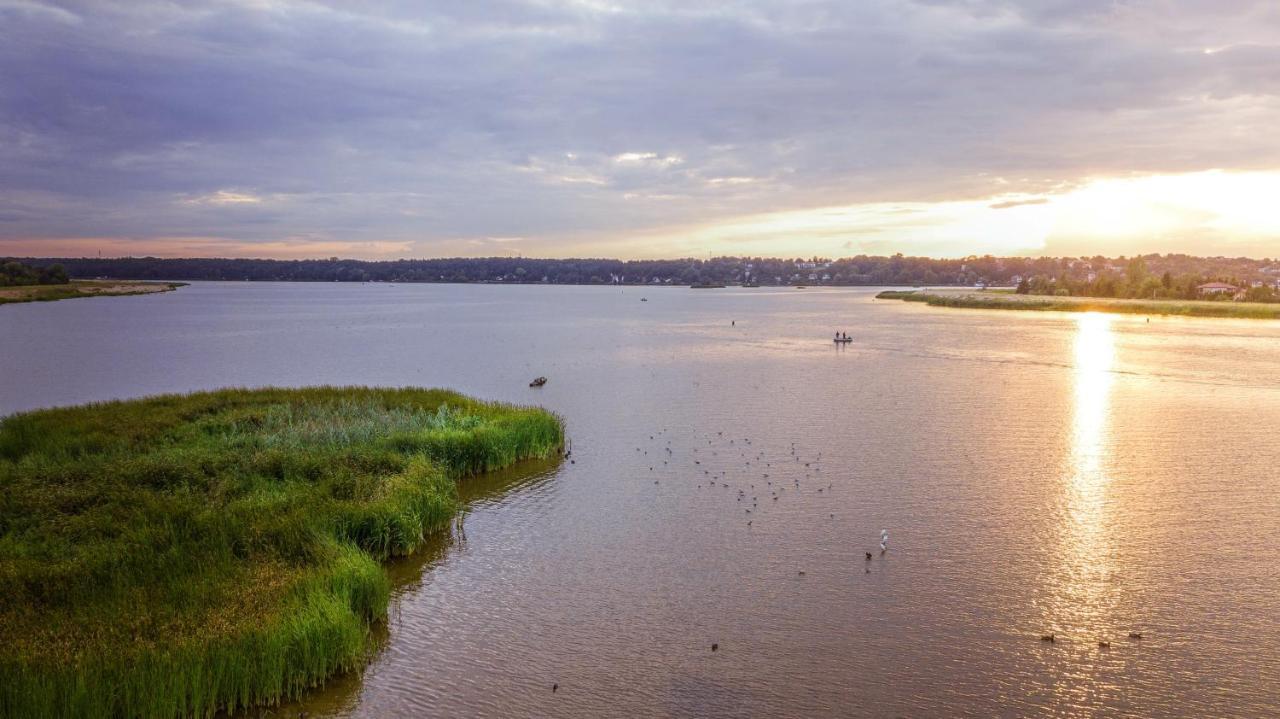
column 1217, row 288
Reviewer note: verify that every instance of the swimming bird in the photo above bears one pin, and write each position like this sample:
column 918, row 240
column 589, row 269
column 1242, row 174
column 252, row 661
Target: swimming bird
column 555, row 688
column 1104, row 644
column 714, row 647
column 1135, row 635
column 1047, row 638
column 868, row 556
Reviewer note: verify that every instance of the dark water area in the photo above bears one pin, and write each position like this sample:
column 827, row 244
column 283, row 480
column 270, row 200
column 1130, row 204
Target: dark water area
column 1076, row 474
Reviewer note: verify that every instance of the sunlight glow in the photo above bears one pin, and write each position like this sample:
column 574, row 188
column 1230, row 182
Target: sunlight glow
column 1233, row 211
column 1233, row 204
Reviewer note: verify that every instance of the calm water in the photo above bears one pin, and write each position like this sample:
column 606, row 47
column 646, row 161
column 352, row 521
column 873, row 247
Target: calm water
column 1078, row 474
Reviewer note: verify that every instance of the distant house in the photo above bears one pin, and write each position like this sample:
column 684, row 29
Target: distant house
column 1217, row 288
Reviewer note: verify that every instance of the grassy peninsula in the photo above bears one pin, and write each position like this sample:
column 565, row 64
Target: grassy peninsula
column 188, row 554
column 82, row 288
column 1007, row 300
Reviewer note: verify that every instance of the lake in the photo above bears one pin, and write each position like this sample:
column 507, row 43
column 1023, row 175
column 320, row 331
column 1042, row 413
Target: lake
column 1076, row 474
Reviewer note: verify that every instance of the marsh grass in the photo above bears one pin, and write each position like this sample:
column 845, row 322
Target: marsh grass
column 184, row 555
column 991, row 300
column 82, row 288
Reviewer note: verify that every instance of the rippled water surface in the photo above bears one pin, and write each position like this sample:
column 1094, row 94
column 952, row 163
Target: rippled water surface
column 1082, row 475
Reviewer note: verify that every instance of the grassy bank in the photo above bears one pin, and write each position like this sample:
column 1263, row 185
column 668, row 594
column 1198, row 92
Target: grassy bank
column 1004, row 300
column 182, row 555
column 82, row 288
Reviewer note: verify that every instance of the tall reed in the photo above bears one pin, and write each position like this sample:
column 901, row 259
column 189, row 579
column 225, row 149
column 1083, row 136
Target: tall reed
column 1008, row 301
column 187, row 554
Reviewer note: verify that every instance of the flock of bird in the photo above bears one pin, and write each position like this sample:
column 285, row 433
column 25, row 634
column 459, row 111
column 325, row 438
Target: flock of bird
column 715, row 466
column 707, row 464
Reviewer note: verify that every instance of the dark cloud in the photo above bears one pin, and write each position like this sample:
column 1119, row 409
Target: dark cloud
column 475, row 120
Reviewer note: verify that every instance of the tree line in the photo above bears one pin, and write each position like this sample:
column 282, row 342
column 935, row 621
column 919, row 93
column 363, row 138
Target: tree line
column 17, row 274
column 1172, row 275
column 1137, row 280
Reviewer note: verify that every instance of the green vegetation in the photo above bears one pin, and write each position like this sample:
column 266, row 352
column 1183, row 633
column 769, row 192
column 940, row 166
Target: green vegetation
column 1135, row 281
column 81, row 288
column 17, row 274
column 184, row 555
column 988, row 300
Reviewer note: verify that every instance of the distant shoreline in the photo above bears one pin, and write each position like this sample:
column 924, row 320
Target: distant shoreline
column 988, row 300
column 83, row 288
column 855, row 271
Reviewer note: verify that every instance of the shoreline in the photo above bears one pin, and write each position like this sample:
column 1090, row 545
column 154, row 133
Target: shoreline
column 989, row 300
column 77, row 289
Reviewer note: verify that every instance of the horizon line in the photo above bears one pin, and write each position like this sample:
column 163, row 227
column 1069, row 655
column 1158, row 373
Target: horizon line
column 334, row 258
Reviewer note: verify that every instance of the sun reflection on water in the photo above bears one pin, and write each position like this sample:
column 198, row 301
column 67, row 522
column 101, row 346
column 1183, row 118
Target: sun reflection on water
column 1094, row 353
column 1082, row 599
column 1084, row 595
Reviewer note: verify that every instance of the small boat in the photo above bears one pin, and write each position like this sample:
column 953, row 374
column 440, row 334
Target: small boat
column 842, row 340
column 644, row 299
column 538, row 382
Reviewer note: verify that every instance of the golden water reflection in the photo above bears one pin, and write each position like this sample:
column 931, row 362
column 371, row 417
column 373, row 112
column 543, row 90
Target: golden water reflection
column 1084, row 596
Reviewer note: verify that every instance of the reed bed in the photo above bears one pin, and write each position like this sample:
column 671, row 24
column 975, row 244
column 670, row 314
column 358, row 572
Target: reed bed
column 1000, row 300
column 189, row 554
column 82, row 288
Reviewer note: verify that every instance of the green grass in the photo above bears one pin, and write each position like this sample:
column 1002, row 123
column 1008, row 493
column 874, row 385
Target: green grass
column 82, row 288
column 185, row 555
column 988, row 300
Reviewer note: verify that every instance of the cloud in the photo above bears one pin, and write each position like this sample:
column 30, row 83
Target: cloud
column 404, row 123
column 223, row 197
column 1006, row 204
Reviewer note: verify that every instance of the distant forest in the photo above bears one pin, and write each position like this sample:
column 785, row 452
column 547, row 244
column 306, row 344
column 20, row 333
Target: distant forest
column 18, row 274
column 1098, row 273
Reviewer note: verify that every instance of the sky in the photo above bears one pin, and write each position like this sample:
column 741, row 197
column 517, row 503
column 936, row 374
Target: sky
column 386, row 129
